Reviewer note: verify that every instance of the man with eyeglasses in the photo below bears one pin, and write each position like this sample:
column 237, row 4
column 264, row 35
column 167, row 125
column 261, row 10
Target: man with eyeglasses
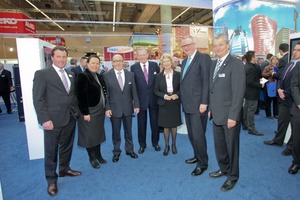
column 295, row 88
column 194, row 92
column 285, row 101
column 121, row 101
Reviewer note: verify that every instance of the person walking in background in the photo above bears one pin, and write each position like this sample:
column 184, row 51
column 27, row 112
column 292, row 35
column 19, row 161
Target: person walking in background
column 55, row 105
column 144, row 73
column 285, row 103
column 194, row 94
column 121, row 101
column 176, row 65
column 91, row 89
column 227, row 91
column 81, row 67
column 253, row 87
column 6, row 87
column 295, row 89
column 167, row 89
column 269, row 95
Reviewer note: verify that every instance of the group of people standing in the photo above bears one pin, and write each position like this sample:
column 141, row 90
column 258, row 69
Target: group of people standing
column 206, row 89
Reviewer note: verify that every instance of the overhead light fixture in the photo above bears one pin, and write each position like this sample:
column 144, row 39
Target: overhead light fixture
column 11, row 49
column 114, row 16
column 180, row 14
column 45, row 15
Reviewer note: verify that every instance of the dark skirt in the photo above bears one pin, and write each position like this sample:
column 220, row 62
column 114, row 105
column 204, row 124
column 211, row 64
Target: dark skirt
column 169, row 114
column 92, row 133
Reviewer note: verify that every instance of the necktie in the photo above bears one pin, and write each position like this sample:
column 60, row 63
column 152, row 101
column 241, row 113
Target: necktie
column 218, row 66
column 64, row 80
column 120, row 80
column 145, row 74
column 187, row 64
column 289, row 70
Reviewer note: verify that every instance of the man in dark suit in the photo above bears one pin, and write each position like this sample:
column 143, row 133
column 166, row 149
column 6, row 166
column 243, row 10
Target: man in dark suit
column 284, row 52
column 122, row 100
column 285, row 101
column 6, row 87
column 194, row 93
column 227, row 91
column 81, row 67
column 144, row 73
column 295, row 89
column 54, row 102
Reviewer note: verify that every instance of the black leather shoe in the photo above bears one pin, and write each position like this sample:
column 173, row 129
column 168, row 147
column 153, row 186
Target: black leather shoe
column 115, row 158
column 141, row 150
column 293, row 169
column 102, row 160
column 132, row 154
column 217, row 174
column 191, row 161
column 9, row 112
column 69, row 172
column 255, row 133
column 174, row 149
column 166, row 151
column 228, row 185
column 157, row 148
column 271, row 142
column 52, row 189
column 95, row 164
column 198, row 171
column 0, row 111
column 287, row 152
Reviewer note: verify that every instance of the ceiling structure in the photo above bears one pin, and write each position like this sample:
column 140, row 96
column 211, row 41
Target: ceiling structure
column 90, row 16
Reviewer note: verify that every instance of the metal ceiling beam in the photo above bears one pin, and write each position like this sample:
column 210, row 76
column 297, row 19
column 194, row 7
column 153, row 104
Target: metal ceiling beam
column 52, row 11
column 146, row 15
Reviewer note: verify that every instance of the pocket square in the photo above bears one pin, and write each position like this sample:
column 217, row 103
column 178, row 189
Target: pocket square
column 129, row 83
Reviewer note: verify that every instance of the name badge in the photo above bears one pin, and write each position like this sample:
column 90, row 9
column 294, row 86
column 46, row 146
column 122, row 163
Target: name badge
column 221, row 75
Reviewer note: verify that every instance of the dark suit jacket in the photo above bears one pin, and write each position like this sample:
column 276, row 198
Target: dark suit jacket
column 76, row 70
column 194, row 87
column 285, row 84
column 253, row 85
column 295, row 89
column 5, row 81
column 118, row 101
column 145, row 92
column 227, row 90
column 50, row 99
column 281, row 65
column 88, row 91
column 160, row 88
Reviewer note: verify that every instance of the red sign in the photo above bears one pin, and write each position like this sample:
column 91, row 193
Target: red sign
column 125, row 52
column 9, row 23
column 55, row 40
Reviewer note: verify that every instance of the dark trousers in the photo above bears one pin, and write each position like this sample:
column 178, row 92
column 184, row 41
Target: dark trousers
column 58, row 141
column 116, row 133
column 142, row 127
column 268, row 104
column 6, row 99
column 284, row 118
column 227, row 147
column 196, row 127
column 296, row 140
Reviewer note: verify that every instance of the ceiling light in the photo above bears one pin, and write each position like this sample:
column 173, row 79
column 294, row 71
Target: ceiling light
column 181, row 14
column 44, row 14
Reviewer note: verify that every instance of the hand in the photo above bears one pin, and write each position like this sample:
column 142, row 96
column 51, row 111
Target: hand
column 298, row 106
column 231, row 123
column 262, row 85
column 108, row 113
column 174, row 97
column 137, row 110
column 11, row 89
column 87, row 118
column 48, row 125
column 167, row 97
column 202, row 108
column 281, row 94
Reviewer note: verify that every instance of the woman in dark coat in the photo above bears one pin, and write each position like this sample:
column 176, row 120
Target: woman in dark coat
column 166, row 87
column 91, row 89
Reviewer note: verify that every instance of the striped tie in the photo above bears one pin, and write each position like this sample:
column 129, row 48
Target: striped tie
column 218, row 66
column 64, row 80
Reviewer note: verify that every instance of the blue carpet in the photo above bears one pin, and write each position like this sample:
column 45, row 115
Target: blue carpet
column 263, row 170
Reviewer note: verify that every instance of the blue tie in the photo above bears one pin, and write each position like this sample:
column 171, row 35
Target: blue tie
column 187, row 64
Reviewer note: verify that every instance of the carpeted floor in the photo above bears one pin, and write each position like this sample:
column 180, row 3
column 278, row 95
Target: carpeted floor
column 263, row 170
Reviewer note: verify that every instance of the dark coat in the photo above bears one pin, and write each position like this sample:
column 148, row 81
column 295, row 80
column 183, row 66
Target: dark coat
column 253, row 85
column 5, row 81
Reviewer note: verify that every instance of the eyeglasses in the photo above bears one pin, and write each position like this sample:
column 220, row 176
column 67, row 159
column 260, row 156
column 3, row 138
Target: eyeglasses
column 298, row 50
column 218, row 45
column 186, row 45
column 117, row 60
